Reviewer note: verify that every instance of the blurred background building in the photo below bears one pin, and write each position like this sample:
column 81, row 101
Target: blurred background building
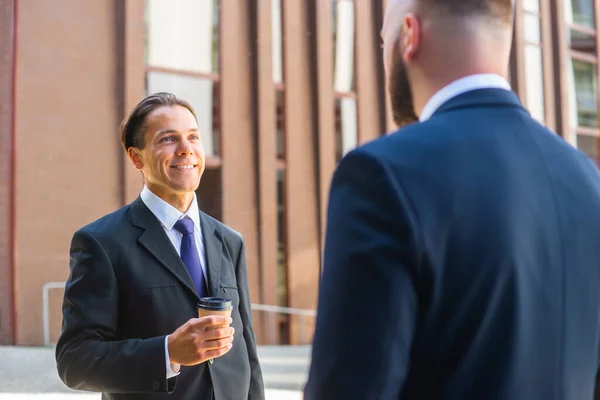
column 282, row 89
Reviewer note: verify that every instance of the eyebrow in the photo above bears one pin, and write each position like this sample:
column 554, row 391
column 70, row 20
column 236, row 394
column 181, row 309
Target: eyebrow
column 165, row 131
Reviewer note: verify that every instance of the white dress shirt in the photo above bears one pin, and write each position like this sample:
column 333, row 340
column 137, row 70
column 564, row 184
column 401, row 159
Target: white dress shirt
column 460, row 86
column 168, row 215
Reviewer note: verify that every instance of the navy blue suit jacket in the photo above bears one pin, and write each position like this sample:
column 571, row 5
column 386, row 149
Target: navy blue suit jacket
column 462, row 261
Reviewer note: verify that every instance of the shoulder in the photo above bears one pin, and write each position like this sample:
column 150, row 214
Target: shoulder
column 109, row 226
column 403, row 146
column 231, row 239
column 229, row 235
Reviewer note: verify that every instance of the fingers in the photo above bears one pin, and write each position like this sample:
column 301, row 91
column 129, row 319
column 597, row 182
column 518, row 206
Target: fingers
column 219, row 333
column 212, row 320
column 210, row 328
column 215, row 344
column 218, row 352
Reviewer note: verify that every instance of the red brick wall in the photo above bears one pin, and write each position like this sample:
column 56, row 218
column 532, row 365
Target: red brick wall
column 68, row 153
column 6, row 131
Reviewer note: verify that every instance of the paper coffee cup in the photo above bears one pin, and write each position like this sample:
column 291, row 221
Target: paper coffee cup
column 214, row 306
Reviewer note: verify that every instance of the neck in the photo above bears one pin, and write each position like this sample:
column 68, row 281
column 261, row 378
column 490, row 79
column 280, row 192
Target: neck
column 430, row 87
column 454, row 53
column 181, row 201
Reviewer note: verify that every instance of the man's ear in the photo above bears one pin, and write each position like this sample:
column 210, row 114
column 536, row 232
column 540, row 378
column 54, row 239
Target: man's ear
column 411, row 30
column 135, row 157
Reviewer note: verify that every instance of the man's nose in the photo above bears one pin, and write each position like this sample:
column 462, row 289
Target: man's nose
column 184, row 148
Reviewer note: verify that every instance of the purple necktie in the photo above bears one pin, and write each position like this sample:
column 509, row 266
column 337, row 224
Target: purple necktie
column 189, row 253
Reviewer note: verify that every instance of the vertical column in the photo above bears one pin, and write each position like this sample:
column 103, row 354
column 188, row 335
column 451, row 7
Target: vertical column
column 366, row 73
column 300, row 183
column 7, row 154
column 517, row 51
column 237, row 140
column 325, row 112
column 561, row 58
column 267, row 153
column 548, row 67
column 133, row 78
column 596, row 7
column 390, row 125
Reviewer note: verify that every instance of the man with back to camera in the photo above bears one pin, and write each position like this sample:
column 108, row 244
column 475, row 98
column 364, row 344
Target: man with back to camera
column 130, row 324
column 461, row 257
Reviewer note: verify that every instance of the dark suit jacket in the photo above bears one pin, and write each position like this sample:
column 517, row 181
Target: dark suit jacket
column 128, row 289
column 462, row 261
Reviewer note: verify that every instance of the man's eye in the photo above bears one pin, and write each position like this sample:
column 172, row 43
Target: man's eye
column 195, row 137
column 166, row 139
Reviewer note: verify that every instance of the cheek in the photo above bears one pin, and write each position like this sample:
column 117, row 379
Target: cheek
column 199, row 149
column 158, row 161
column 389, row 62
column 387, row 58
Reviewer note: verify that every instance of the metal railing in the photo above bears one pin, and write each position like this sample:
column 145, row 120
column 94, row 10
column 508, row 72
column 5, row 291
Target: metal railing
column 269, row 309
column 272, row 310
column 45, row 308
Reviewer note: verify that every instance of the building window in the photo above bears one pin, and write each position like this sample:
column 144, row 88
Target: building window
column 581, row 13
column 533, row 59
column 344, row 29
column 281, row 256
column 583, row 75
column 182, row 57
column 278, row 83
column 277, row 40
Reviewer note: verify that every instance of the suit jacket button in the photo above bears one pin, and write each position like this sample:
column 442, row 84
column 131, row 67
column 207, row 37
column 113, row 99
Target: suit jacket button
column 156, row 385
column 211, row 361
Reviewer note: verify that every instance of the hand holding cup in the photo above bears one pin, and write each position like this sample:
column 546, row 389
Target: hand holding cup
column 204, row 338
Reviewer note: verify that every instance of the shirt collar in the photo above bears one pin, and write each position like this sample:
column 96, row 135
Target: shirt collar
column 460, row 86
column 166, row 213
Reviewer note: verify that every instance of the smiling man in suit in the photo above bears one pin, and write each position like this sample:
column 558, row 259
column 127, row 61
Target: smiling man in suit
column 130, row 326
column 461, row 257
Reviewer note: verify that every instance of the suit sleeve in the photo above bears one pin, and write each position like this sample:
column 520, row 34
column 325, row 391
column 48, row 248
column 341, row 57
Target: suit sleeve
column 88, row 354
column 368, row 303
column 256, row 391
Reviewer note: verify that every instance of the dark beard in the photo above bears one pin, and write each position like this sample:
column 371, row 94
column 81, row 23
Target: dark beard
column 400, row 92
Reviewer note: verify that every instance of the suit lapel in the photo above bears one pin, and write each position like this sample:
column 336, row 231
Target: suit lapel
column 156, row 241
column 213, row 247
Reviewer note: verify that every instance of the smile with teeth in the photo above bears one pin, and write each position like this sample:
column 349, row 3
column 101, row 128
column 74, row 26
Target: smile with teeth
column 183, row 166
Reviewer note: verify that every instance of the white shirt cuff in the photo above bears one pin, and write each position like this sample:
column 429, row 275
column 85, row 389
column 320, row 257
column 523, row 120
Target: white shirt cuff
column 170, row 373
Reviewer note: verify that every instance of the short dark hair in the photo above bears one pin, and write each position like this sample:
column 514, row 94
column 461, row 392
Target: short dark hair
column 133, row 127
column 501, row 9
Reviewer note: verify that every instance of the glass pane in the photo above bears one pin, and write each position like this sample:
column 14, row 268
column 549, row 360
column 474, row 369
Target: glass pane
column 531, row 25
column 201, row 93
column 586, row 99
column 277, row 40
column 183, row 34
column 280, row 126
column 210, row 193
column 346, row 129
column 343, row 45
column 580, row 12
column 281, row 270
column 531, row 5
column 534, row 81
column 589, row 145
